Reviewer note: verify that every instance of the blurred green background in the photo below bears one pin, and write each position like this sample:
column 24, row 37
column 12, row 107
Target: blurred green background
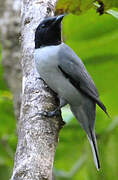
column 95, row 39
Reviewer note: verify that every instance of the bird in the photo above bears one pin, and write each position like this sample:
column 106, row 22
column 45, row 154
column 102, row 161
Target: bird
column 64, row 72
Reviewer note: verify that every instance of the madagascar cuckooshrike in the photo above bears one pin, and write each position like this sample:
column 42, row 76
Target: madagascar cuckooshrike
column 65, row 73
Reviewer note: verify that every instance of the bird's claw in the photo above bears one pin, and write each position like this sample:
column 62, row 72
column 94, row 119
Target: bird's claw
column 44, row 113
column 50, row 114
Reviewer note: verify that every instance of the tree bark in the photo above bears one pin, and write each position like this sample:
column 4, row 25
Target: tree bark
column 37, row 136
column 10, row 33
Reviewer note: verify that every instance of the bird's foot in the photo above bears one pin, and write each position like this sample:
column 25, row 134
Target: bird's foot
column 50, row 114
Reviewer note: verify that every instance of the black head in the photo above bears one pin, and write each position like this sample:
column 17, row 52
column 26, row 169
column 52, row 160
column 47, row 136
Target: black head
column 49, row 32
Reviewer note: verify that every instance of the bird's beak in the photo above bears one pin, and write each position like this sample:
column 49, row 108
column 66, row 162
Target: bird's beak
column 59, row 18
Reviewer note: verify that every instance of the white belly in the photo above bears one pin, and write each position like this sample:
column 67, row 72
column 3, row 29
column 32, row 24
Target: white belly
column 47, row 66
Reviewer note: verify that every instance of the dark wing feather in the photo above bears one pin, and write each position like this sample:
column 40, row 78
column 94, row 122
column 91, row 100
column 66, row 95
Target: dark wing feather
column 73, row 68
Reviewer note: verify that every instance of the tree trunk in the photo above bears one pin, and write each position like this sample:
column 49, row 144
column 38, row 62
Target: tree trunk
column 10, row 33
column 37, row 136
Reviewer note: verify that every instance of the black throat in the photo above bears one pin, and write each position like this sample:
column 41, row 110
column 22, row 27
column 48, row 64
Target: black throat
column 38, row 45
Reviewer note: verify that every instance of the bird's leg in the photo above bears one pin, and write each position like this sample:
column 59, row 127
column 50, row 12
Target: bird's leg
column 56, row 112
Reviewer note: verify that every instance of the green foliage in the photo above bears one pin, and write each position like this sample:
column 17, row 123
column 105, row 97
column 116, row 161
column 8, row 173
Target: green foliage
column 76, row 8
column 110, row 3
column 80, row 6
column 94, row 38
column 7, row 129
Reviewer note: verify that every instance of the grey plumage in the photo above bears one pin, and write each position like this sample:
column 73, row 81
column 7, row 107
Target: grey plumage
column 65, row 73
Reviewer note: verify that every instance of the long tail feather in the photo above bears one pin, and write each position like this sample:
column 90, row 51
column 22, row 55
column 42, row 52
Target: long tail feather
column 93, row 144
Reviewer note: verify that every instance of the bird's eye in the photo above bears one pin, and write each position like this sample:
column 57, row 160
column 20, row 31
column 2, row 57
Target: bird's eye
column 43, row 26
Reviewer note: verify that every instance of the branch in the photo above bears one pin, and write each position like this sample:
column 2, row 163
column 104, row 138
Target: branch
column 37, row 136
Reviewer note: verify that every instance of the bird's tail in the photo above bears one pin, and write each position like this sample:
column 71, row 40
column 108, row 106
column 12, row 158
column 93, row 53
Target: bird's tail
column 93, row 143
column 86, row 117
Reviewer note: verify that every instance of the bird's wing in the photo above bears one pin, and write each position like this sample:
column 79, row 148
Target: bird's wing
column 73, row 68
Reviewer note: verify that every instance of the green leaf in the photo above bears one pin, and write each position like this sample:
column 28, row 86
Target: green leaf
column 110, row 3
column 75, row 7
column 80, row 6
